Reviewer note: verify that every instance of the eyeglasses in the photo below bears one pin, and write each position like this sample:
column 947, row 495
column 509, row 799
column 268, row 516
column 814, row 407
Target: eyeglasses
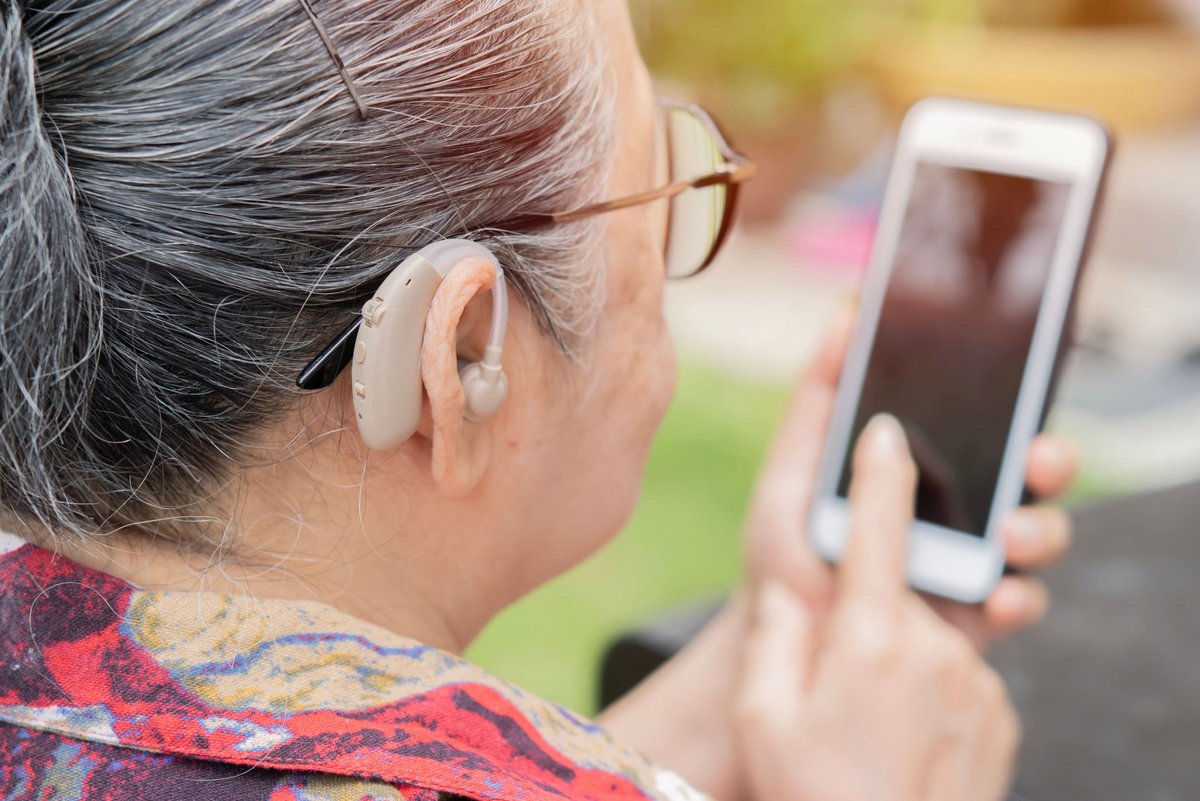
column 703, row 174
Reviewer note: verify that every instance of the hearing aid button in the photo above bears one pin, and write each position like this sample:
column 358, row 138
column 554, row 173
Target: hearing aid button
column 373, row 311
column 360, row 389
column 360, row 352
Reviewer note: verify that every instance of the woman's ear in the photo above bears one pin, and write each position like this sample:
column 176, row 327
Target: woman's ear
column 460, row 451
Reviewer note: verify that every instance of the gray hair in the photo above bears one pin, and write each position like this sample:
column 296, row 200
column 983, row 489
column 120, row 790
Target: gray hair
column 190, row 208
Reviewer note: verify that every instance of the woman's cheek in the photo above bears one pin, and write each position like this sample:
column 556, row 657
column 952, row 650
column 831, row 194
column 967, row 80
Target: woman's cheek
column 670, row 373
column 662, row 378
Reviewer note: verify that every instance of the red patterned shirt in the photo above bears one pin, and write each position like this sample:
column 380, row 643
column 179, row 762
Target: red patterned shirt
column 111, row 693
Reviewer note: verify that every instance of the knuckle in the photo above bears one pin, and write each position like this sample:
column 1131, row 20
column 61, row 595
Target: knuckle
column 1014, row 730
column 961, row 649
column 870, row 638
column 750, row 709
column 948, row 644
column 1009, row 730
column 992, row 689
column 755, row 718
column 777, row 504
column 954, row 660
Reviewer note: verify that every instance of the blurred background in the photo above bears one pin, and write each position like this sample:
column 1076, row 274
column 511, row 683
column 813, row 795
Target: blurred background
column 814, row 91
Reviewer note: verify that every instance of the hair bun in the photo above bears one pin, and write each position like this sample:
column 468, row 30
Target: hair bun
column 49, row 311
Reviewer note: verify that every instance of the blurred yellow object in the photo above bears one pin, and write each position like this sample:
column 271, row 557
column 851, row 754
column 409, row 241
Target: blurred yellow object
column 1136, row 78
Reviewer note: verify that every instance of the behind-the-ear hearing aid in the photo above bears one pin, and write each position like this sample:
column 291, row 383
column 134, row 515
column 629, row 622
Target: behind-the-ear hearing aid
column 386, row 370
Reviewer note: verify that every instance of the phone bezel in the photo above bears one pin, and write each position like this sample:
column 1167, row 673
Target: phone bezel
column 1036, row 144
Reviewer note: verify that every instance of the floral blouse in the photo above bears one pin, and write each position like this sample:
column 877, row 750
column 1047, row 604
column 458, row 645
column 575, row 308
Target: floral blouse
column 108, row 692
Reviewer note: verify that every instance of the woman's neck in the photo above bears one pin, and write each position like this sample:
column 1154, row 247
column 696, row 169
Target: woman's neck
column 361, row 584
column 429, row 576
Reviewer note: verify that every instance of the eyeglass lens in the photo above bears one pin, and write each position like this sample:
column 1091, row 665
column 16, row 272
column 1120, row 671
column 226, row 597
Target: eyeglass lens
column 695, row 217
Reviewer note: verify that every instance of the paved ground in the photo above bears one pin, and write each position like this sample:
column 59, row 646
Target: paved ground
column 1109, row 686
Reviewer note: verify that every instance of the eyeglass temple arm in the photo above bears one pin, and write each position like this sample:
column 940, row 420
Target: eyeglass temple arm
column 733, row 173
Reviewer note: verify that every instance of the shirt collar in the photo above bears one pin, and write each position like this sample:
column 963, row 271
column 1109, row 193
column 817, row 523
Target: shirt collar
column 288, row 685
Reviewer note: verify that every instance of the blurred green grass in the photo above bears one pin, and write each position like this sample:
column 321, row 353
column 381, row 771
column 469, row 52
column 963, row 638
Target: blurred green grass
column 682, row 544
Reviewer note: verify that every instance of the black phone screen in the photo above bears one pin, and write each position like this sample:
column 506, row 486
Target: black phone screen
column 954, row 334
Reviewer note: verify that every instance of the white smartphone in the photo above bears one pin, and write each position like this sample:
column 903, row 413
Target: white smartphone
column 962, row 321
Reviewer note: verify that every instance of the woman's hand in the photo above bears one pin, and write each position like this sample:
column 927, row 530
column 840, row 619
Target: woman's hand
column 682, row 716
column 879, row 700
column 777, row 545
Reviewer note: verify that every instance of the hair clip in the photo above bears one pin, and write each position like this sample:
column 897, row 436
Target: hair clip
column 337, row 60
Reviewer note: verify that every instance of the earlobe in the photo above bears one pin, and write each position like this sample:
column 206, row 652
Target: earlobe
column 460, row 450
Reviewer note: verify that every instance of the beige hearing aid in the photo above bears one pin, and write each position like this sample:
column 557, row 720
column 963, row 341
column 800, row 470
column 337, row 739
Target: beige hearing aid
column 386, row 371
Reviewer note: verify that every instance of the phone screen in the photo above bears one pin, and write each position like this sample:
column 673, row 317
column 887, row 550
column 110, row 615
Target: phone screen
column 973, row 256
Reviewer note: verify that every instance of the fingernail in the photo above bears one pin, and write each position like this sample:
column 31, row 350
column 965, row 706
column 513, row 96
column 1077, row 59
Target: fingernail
column 1026, row 527
column 1014, row 600
column 885, row 435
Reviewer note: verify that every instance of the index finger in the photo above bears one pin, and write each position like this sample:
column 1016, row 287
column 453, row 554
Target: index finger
column 797, row 445
column 882, row 494
column 774, row 545
column 1053, row 466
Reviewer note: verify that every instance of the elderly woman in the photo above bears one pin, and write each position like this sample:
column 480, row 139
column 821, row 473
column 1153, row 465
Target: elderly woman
column 215, row 586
